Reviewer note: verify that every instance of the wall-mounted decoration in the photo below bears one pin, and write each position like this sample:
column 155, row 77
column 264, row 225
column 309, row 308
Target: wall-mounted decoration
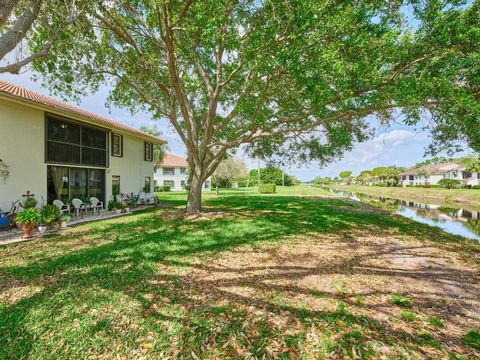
column 4, row 170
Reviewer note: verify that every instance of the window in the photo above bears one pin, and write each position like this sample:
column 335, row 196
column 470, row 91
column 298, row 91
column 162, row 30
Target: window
column 183, row 171
column 71, row 143
column 170, row 183
column 148, row 151
column 207, row 184
column 168, row 171
column 117, row 145
column 146, row 188
column 66, row 183
column 182, row 183
column 115, row 185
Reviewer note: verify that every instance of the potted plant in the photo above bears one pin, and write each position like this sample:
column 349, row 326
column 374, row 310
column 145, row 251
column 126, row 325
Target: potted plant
column 29, row 203
column 49, row 215
column 28, row 217
column 64, row 220
column 42, row 228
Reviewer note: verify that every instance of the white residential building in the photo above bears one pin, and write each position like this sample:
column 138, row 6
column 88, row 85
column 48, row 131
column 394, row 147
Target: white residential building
column 433, row 173
column 173, row 172
column 60, row 152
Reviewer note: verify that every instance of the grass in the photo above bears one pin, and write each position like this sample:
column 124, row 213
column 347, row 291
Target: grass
column 472, row 339
column 465, row 198
column 408, row 315
column 400, row 300
column 279, row 276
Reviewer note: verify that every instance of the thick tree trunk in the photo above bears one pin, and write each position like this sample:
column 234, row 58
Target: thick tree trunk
column 194, row 203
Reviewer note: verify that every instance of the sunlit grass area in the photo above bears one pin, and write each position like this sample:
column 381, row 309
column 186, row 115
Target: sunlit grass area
column 256, row 276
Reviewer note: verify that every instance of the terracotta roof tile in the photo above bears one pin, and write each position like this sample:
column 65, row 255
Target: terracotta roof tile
column 16, row 91
column 435, row 169
column 172, row 160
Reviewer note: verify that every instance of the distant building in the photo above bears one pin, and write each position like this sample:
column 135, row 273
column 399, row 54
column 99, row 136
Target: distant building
column 433, row 173
column 173, row 172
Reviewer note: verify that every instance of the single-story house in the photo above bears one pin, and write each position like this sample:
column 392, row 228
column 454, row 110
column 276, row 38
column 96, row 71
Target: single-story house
column 59, row 151
column 173, row 172
column 431, row 174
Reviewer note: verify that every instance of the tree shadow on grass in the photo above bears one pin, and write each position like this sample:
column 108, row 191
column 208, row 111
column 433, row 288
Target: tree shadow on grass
column 106, row 288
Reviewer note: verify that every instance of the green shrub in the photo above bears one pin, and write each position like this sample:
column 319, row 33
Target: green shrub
column 408, row 316
column 436, row 322
column 400, row 300
column 476, row 187
column 113, row 204
column 450, row 183
column 267, row 188
column 472, row 339
column 50, row 214
column 28, row 216
column 29, row 203
column 162, row 188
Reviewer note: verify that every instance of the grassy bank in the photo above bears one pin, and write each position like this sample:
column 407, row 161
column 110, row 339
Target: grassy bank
column 256, row 277
column 460, row 198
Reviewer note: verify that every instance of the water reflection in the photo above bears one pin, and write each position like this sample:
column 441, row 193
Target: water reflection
column 453, row 220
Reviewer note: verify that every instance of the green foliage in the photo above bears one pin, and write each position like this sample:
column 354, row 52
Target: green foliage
column 114, row 204
column 449, row 183
column 267, row 188
column 162, row 188
column 28, row 215
column 65, row 217
column 159, row 150
column 472, row 339
column 476, row 187
column 434, row 160
column 408, row 315
column 400, row 300
column 50, row 214
column 472, row 163
column 436, row 322
column 291, row 79
column 345, row 174
column 322, row 181
column 30, row 203
column 271, row 175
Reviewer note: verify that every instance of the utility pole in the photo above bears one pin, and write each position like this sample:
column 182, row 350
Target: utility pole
column 283, row 178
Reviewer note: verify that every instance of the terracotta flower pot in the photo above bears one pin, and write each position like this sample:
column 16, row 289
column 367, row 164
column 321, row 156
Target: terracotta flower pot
column 27, row 229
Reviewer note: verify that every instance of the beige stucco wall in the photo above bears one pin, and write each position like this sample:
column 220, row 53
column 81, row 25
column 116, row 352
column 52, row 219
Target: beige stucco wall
column 22, row 148
column 132, row 168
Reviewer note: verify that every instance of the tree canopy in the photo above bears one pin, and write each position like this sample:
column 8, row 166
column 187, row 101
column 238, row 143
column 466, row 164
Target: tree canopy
column 290, row 79
column 229, row 169
column 42, row 23
column 272, row 175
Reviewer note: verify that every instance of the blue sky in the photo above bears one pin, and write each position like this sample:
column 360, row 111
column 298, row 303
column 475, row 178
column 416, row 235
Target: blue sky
column 394, row 145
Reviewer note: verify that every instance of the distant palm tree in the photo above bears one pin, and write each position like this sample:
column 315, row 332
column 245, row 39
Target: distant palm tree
column 159, row 151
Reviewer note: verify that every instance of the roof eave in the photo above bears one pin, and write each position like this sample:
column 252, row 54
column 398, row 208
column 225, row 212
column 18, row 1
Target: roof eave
column 54, row 110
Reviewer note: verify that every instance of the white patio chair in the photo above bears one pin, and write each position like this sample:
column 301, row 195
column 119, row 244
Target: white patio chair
column 79, row 206
column 64, row 209
column 96, row 205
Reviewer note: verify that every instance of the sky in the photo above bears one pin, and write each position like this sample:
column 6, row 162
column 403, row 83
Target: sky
column 394, row 145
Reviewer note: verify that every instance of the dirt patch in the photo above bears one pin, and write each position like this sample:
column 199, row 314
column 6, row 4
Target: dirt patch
column 181, row 214
column 316, row 275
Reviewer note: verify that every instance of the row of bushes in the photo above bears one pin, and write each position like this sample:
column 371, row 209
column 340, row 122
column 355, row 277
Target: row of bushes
column 447, row 184
column 162, row 188
column 267, row 188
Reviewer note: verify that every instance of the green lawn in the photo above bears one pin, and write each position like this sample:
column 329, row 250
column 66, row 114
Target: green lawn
column 466, row 198
column 279, row 276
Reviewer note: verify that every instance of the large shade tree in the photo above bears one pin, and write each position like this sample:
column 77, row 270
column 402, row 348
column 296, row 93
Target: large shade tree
column 42, row 23
column 295, row 79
